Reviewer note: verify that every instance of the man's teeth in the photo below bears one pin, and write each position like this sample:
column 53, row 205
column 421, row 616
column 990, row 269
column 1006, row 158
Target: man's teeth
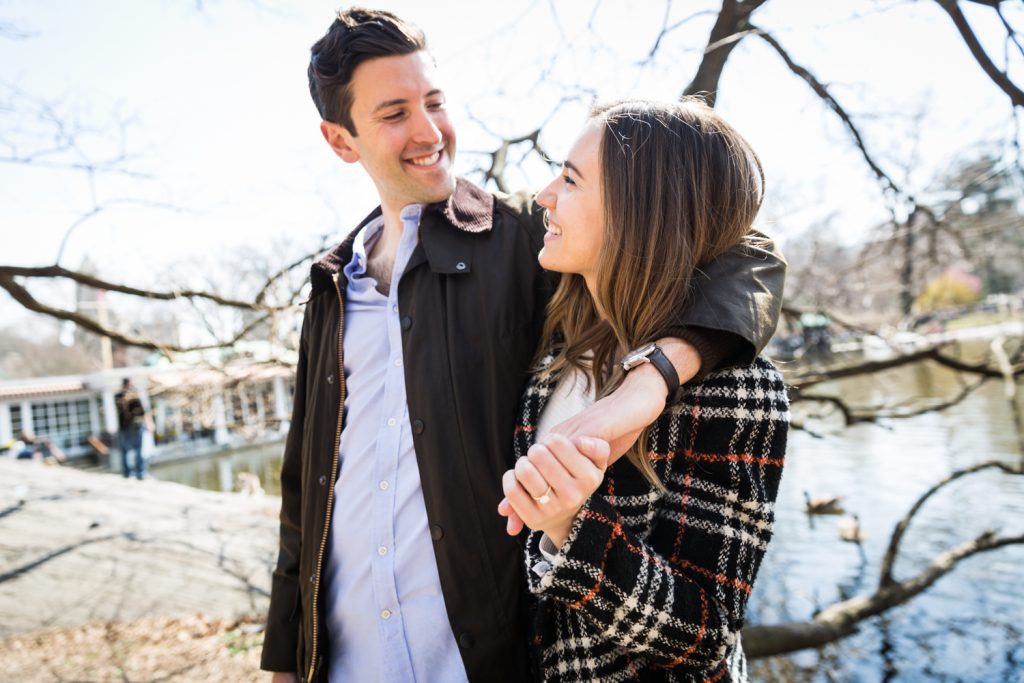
column 427, row 160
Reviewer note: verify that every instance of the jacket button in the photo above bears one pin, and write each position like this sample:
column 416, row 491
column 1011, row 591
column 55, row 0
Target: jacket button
column 406, row 322
column 460, row 266
column 417, row 426
column 323, row 479
column 436, row 532
column 466, row 641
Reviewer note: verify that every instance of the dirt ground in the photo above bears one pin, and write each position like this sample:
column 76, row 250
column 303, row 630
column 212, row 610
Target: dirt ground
column 191, row 648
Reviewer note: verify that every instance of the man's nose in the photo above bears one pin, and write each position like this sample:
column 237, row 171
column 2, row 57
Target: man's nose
column 426, row 131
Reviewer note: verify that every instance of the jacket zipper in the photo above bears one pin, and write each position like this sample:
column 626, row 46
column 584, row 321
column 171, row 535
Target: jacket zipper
column 334, row 472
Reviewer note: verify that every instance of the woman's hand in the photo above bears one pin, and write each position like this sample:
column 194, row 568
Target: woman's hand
column 620, row 417
column 548, row 487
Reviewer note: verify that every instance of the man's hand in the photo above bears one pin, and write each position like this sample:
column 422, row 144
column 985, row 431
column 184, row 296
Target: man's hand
column 562, row 476
column 281, row 677
column 620, row 417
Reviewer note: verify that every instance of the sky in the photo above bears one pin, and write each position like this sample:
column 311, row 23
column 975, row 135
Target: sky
column 222, row 156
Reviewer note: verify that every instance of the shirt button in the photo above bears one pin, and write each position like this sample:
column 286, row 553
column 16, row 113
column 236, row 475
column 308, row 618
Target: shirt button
column 392, row 422
column 460, row 266
column 323, row 479
column 383, row 484
column 417, row 426
column 330, row 379
column 385, row 614
column 436, row 532
column 394, row 308
column 398, row 362
column 406, row 322
column 382, row 551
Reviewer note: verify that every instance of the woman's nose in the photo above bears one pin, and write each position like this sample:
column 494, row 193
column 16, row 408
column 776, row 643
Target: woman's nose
column 546, row 197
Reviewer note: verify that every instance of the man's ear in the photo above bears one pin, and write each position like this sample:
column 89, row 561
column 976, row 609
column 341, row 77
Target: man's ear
column 340, row 140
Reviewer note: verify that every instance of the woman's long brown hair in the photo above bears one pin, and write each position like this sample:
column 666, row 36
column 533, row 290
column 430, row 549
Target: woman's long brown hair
column 680, row 187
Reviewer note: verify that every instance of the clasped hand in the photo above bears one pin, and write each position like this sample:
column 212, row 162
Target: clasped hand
column 548, row 487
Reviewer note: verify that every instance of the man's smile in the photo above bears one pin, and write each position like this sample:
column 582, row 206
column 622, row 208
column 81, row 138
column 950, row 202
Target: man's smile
column 427, row 160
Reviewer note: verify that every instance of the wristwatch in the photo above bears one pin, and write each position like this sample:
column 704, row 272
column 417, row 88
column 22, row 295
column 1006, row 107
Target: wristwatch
column 652, row 353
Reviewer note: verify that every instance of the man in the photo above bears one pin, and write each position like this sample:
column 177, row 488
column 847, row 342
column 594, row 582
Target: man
column 132, row 422
column 416, row 342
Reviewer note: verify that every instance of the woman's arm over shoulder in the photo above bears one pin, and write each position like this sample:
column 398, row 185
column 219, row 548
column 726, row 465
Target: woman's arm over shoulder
column 678, row 596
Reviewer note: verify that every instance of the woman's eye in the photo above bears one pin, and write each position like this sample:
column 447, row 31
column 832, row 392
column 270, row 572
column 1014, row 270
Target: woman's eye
column 568, row 180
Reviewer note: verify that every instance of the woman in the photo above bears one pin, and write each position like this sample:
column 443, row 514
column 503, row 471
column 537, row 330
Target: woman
column 643, row 568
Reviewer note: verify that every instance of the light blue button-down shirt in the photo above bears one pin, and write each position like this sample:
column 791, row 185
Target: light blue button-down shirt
column 386, row 618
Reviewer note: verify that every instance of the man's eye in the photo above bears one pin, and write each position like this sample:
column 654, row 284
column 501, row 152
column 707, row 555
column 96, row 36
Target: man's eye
column 435, row 105
column 393, row 117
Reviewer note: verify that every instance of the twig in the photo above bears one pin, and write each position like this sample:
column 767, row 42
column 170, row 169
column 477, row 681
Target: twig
column 888, row 184
column 889, row 559
column 1000, row 78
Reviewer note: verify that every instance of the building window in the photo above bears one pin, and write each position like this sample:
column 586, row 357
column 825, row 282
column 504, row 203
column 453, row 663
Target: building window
column 65, row 423
column 17, row 426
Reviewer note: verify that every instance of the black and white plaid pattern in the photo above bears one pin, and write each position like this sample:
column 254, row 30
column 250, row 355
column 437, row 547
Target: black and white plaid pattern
column 653, row 586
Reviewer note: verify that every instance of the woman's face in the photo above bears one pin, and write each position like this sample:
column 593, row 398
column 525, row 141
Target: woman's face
column 576, row 210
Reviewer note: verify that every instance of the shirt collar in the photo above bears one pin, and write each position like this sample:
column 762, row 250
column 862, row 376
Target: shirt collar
column 469, row 209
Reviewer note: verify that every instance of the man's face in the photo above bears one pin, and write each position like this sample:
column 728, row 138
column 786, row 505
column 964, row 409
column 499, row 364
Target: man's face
column 405, row 141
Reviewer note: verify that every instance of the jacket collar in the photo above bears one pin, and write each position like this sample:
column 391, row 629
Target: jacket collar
column 469, row 209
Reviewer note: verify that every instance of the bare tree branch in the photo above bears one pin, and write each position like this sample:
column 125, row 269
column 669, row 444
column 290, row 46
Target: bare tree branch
column 732, row 24
column 99, row 208
column 1000, row 78
column 886, row 579
column 261, row 295
column 841, row 619
column 23, row 297
column 97, row 283
column 819, row 88
column 666, row 29
column 863, row 415
column 802, row 381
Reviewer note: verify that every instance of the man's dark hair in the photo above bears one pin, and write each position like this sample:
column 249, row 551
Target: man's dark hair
column 357, row 35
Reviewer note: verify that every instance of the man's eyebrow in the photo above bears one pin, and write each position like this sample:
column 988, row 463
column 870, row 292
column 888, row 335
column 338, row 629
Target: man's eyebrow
column 572, row 167
column 394, row 103
column 389, row 103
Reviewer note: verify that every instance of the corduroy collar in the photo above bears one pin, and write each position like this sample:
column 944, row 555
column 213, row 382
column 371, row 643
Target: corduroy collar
column 468, row 209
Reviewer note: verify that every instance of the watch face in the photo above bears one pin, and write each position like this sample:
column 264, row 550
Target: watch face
column 637, row 356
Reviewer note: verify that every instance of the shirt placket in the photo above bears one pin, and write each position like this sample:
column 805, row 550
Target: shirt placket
column 397, row 664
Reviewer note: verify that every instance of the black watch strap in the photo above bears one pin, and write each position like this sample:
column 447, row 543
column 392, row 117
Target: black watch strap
column 668, row 371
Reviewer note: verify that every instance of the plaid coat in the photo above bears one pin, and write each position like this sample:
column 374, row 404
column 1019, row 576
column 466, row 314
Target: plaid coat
column 653, row 586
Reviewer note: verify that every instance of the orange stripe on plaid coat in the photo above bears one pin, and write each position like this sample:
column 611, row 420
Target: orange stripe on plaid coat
column 654, row 586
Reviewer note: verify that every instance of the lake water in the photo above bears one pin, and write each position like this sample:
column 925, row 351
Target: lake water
column 968, row 627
